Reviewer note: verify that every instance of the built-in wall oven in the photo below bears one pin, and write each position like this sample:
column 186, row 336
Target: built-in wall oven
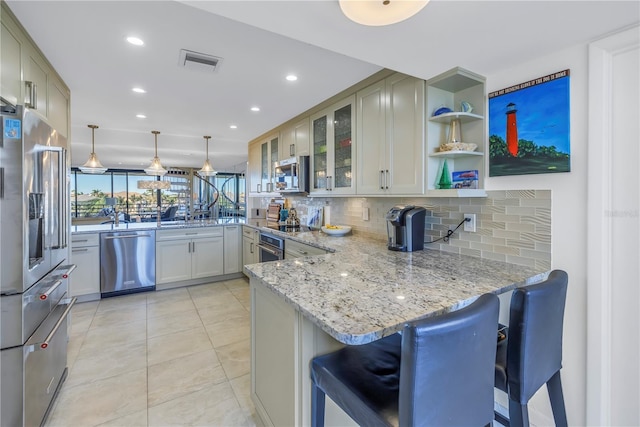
column 34, row 232
column 270, row 248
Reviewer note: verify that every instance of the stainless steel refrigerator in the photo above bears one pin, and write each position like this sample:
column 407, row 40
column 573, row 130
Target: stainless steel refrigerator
column 34, row 254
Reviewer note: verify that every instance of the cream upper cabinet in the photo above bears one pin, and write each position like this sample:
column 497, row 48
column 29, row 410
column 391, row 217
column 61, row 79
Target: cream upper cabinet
column 262, row 155
column 59, row 106
column 333, row 150
column 27, row 78
column 269, row 153
column 295, row 140
column 253, row 169
column 36, row 81
column 10, row 61
column 391, row 137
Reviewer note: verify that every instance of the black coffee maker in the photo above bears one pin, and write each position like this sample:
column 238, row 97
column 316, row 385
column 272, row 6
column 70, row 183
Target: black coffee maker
column 405, row 228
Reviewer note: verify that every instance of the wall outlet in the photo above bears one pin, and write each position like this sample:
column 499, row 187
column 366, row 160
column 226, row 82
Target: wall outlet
column 365, row 214
column 470, row 225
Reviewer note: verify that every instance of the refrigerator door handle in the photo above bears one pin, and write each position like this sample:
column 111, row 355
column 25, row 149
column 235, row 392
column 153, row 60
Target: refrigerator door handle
column 61, row 196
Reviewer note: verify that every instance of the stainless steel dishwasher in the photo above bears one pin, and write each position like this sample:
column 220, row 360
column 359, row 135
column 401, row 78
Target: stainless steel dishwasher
column 127, row 262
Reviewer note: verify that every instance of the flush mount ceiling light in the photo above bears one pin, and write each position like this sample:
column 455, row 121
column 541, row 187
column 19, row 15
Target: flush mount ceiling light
column 292, row 77
column 380, row 12
column 141, row 116
column 93, row 165
column 233, row 127
column 135, row 41
column 255, row 108
column 207, row 170
column 155, row 168
column 138, row 90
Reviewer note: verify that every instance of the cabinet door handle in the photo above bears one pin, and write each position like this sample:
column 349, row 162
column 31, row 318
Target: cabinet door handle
column 292, row 150
column 31, row 90
column 251, row 248
column 79, row 250
column 194, row 247
column 259, row 188
column 386, row 179
column 380, row 179
column 329, row 183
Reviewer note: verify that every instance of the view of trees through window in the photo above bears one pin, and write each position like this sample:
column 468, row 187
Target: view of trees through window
column 103, row 195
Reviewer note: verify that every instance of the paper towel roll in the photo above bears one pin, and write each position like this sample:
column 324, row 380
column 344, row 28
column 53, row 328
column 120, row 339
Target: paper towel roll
column 327, row 215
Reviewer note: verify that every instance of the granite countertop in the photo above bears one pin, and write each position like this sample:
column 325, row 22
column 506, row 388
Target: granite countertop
column 169, row 225
column 364, row 292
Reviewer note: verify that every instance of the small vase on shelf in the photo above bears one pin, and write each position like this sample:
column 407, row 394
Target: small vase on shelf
column 444, row 183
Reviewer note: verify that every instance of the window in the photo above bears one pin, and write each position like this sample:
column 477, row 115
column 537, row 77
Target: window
column 222, row 195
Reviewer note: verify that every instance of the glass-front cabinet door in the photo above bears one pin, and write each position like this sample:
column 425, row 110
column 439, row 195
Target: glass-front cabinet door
column 319, row 160
column 333, row 150
column 268, row 155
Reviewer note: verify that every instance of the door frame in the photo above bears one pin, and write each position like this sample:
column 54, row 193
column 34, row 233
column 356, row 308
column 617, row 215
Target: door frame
column 599, row 222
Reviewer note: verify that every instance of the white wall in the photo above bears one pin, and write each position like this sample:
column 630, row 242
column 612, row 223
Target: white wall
column 569, row 224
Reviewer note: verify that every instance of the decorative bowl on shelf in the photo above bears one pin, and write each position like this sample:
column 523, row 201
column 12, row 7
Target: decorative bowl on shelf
column 336, row 230
column 442, row 110
column 458, row 146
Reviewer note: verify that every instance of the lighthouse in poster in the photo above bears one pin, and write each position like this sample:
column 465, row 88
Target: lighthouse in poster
column 512, row 130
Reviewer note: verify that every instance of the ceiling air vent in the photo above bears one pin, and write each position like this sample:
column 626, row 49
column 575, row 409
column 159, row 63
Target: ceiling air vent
column 199, row 61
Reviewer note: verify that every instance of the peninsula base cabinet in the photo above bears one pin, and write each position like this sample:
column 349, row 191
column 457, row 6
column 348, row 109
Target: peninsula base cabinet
column 283, row 342
column 250, row 240
column 232, row 249
column 188, row 254
column 84, row 283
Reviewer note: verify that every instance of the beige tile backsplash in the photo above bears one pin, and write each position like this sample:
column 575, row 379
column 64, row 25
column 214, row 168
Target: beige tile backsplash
column 512, row 225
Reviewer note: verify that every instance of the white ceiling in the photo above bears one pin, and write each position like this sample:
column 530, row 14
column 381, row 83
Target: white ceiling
column 260, row 42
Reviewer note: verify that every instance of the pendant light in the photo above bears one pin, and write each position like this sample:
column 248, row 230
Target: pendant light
column 155, row 168
column 207, row 170
column 93, row 165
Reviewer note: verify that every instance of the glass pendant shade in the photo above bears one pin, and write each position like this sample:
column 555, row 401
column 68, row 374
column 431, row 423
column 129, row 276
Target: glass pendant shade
column 154, row 185
column 380, row 12
column 93, row 165
column 155, row 168
column 207, row 169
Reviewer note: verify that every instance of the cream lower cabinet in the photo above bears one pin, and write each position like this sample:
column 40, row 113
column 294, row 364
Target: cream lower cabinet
column 390, row 133
column 190, row 253
column 250, row 240
column 84, row 283
column 232, row 249
column 283, row 342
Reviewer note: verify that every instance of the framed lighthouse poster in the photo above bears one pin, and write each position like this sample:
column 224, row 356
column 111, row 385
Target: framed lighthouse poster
column 529, row 127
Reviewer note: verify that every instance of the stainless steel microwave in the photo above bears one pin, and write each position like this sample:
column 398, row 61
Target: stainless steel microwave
column 292, row 175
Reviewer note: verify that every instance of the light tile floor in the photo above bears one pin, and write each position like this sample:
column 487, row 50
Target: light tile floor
column 174, row 357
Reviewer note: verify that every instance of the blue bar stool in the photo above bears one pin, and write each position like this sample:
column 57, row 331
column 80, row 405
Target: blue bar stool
column 439, row 372
column 531, row 354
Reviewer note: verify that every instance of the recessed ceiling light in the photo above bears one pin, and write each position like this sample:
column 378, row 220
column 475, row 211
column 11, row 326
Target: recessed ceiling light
column 138, row 90
column 135, row 41
column 141, row 116
column 255, row 108
column 233, row 127
column 292, row 77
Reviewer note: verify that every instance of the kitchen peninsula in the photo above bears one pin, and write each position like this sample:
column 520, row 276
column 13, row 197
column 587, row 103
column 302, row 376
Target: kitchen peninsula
column 360, row 293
